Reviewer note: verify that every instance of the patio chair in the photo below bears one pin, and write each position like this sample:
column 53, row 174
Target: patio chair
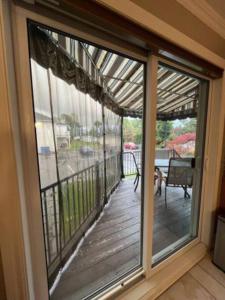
column 138, row 171
column 180, row 174
column 157, row 179
column 160, row 177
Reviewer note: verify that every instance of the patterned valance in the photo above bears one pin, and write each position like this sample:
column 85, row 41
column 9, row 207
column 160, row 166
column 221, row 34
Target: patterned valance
column 47, row 53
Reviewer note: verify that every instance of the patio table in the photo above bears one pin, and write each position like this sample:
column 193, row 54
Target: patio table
column 159, row 163
column 162, row 163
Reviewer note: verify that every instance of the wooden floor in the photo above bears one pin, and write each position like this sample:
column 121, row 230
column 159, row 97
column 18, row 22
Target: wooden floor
column 113, row 247
column 203, row 282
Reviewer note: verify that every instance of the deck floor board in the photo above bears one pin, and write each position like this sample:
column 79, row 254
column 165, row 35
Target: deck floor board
column 113, row 246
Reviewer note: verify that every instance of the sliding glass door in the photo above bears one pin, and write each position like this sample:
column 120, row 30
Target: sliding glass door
column 91, row 208
column 93, row 150
column 180, row 135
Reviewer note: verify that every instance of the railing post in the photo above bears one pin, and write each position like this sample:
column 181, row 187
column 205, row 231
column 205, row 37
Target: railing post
column 121, row 149
column 97, row 187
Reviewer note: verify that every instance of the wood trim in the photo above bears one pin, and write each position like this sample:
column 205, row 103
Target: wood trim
column 126, row 28
column 150, row 141
column 213, row 159
column 222, row 192
column 205, row 12
column 159, row 282
column 83, row 31
column 2, row 281
column 29, row 157
column 172, row 40
column 13, row 264
column 117, row 23
column 222, row 181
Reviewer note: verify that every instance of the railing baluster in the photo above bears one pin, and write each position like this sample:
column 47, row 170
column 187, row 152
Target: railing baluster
column 55, row 220
column 62, row 213
column 92, row 189
column 68, row 206
column 47, row 228
column 83, row 204
column 86, row 191
column 89, row 190
column 98, row 192
column 79, row 198
column 74, row 205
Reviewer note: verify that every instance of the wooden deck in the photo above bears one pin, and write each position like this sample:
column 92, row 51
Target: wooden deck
column 113, row 247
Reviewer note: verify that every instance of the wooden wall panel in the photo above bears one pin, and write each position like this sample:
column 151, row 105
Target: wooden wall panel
column 222, row 192
column 11, row 236
column 2, row 281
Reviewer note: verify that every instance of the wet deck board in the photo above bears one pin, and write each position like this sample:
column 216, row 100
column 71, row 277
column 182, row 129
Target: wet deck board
column 113, row 246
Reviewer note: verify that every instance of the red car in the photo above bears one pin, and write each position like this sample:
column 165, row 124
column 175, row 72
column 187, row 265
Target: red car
column 130, row 146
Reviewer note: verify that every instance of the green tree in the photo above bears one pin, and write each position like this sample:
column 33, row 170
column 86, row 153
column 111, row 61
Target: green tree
column 96, row 129
column 185, row 126
column 132, row 130
column 72, row 123
column 163, row 132
column 189, row 125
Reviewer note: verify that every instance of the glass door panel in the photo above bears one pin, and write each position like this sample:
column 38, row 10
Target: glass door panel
column 180, row 131
column 80, row 94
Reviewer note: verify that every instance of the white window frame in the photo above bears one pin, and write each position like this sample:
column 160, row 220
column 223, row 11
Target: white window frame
column 154, row 281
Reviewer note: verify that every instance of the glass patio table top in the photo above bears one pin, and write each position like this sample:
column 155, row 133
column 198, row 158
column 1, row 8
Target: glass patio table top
column 162, row 162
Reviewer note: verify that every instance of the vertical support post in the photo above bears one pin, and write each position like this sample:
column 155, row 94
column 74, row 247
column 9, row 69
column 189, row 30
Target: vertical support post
column 97, row 187
column 149, row 150
column 104, row 154
column 121, row 150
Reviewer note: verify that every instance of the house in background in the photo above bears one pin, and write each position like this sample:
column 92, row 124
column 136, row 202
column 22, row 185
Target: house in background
column 45, row 139
column 184, row 144
column 174, row 40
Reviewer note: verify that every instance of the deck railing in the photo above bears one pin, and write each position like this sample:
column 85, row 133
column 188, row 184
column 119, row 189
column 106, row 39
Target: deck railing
column 71, row 205
column 166, row 153
column 132, row 159
column 113, row 172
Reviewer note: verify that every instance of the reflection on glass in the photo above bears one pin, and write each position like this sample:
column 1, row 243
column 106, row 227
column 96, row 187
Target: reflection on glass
column 80, row 93
column 181, row 114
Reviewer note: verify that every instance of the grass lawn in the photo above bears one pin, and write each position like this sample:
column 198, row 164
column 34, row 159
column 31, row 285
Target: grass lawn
column 79, row 199
column 77, row 144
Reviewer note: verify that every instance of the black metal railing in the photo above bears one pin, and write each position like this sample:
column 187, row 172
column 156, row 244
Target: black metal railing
column 71, row 205
column 113, row 172
column 132, row 159
column 131, row 162
column 166, row 153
